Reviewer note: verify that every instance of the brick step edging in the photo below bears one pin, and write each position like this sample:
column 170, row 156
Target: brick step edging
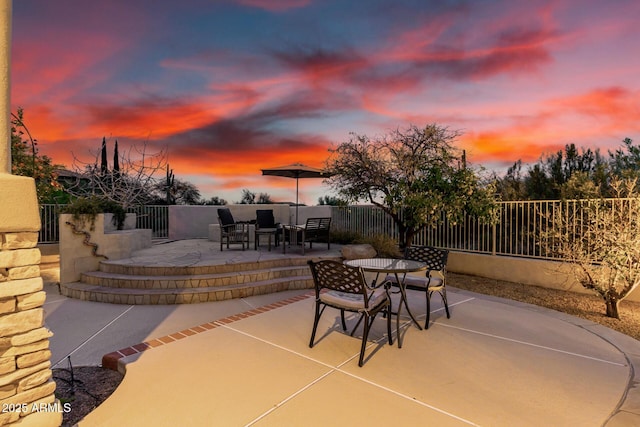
column 112, row 360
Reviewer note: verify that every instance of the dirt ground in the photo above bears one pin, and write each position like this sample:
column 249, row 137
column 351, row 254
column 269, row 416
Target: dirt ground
column 90, row 387
column 93, row 384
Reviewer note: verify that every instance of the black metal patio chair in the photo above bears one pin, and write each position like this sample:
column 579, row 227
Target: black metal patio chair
column 345, row 288
column 436, row 275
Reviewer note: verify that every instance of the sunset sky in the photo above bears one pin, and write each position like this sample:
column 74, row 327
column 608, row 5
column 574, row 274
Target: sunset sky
column 228, row 87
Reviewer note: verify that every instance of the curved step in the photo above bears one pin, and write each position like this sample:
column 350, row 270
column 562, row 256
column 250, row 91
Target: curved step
column 115, row 280
column 131, row 296
column 118, row 267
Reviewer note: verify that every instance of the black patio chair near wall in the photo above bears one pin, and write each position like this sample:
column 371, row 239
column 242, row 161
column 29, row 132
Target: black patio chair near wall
column 266, row 225
column 436, row 275
column 314, row 230
column 232, row 231
column 345, row 288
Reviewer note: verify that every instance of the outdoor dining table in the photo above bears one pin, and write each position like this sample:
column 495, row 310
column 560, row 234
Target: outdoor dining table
column 392, row 266
column 292, row 231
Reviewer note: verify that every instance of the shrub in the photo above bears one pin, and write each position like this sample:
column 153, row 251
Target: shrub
column 385, row 246
column 86, row 208
column 342, row 237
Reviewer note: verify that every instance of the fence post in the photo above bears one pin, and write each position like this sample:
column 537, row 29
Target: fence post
column 493, row 238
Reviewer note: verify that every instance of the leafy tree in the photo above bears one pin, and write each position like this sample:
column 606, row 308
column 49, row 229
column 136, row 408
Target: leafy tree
column 538, row 185
column 248, row 198
column 579, row 186
column 551, row 176
column 26, row 161
column 331, row 201
column 264, row 199
column 600, row 239
column 179, row 193
column 215, row 200
column 625, row 162
column 511, row 186
column 185, row 193
column 413, row 175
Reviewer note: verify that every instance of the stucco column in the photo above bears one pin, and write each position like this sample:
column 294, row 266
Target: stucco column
column 5, row 86
column 18, row 199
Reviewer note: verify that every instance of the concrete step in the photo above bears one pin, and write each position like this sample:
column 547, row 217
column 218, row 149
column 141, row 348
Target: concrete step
column 118, row 267
column 131, row 296
column 211, row 280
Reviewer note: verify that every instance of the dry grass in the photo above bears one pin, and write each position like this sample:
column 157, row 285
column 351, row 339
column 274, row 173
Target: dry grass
column 586, row 306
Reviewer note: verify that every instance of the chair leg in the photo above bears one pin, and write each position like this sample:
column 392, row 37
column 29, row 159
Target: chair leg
column 388, row 314
column 316, row 319
column 365, row 334
column 443, row 294
column 428, row 296
column 344, row 324
column 357, row 324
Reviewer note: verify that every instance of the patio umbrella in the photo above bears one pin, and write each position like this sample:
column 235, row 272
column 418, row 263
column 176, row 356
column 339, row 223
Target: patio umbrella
column 297, row 171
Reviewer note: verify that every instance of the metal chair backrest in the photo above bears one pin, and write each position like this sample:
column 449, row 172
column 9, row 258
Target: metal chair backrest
column 317, row 228
column 265, row 218
column 435, row 258
column 336, row 276
column 225, row 217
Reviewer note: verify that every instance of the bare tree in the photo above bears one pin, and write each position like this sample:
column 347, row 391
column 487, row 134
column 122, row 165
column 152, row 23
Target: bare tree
column 129, row 184
column 600, row 239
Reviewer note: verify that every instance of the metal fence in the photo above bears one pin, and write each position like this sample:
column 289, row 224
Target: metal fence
column 154, row 217
column 520, row 230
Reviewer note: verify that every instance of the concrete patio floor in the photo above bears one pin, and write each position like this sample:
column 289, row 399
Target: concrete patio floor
column 494, row 363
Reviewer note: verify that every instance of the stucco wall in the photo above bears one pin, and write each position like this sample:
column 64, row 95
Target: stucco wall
column 76, row 257
column 550, row 274
column 192, row 222
column 305, row 212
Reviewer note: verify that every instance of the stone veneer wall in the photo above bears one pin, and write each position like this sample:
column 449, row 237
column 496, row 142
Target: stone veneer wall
column 26, row 385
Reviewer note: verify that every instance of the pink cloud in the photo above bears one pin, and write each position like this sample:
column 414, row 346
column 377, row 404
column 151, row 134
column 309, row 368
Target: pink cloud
column 617, row 105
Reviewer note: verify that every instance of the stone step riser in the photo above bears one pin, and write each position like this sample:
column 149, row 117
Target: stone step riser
column 139, row 270
column 183, row 296
column 168, row 282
